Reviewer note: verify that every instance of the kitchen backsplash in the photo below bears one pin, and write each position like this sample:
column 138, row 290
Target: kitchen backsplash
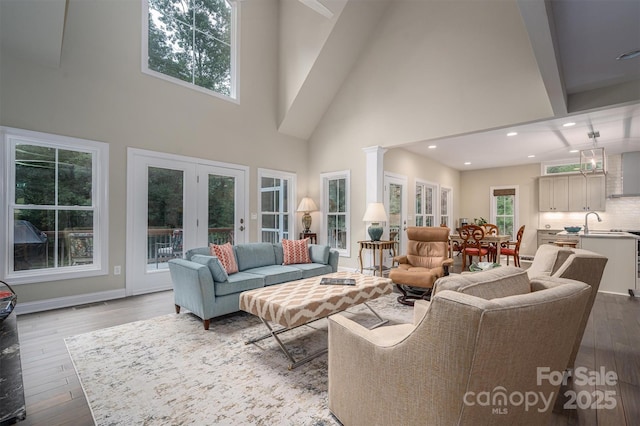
column 621, row 213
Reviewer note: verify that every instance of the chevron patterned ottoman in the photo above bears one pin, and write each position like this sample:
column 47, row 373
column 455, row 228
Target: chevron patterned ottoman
column 300, row 302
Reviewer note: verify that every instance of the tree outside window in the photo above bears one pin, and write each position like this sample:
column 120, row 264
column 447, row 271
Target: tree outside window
column 191, row 41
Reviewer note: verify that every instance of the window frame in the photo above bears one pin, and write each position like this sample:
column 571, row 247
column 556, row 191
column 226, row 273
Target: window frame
column 544, row 167
column 234, row 55
column 100, row 207
column 449, row 201
column 516, row 209
column 324, row 185
column 291, row 178
column 435, row 202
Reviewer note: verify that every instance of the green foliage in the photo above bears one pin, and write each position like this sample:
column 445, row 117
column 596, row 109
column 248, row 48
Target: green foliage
column 191, row 40
column 480, row 222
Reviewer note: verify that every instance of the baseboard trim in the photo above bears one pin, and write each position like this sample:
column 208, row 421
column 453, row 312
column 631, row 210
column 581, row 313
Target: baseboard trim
column 65, row 302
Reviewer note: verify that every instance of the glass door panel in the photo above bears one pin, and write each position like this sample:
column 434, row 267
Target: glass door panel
column 165, row 200
column 222, row 207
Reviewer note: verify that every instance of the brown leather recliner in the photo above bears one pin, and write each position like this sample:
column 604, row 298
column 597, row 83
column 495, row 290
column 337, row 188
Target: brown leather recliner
column 427, row 259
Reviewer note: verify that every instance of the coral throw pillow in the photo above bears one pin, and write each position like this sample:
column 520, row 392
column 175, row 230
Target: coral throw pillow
column 296, row 251
column 225, row 255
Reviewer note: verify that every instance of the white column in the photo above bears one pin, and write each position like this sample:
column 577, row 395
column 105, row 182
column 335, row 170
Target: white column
column 374, row 174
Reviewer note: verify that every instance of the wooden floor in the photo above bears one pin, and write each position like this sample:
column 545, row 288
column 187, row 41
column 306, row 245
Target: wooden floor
column 54, row 395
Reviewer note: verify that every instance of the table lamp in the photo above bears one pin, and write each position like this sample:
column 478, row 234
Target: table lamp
column 375, row 214
column 307, row 205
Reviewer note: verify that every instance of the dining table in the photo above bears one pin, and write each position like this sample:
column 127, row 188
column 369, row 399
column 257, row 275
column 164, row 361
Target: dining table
column 498, row 240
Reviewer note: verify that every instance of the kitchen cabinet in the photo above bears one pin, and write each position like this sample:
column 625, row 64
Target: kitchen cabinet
column 586, row 193
column 621, row 272
column 553, row 194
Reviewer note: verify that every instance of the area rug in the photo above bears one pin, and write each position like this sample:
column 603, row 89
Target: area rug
column 170, row 371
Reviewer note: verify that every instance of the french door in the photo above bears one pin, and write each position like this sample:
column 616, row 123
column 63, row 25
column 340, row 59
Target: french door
column 176, row 203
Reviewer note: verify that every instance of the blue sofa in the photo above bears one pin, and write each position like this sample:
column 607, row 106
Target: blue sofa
column 201, row 285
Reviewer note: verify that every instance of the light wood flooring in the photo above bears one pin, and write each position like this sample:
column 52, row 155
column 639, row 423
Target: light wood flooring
column 54, row 395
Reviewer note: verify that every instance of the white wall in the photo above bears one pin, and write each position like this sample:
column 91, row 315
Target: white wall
column 99, row 93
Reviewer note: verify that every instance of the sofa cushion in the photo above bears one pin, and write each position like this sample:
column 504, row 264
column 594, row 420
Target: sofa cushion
column 319, row 254
column 254, row 255
column 226, row 255
column 312, row 269
column 547, row 260
column 494, row 283
column 213, row 263
column 276, row 274
column 279, row 252
column 295, row 251
column 238, row 283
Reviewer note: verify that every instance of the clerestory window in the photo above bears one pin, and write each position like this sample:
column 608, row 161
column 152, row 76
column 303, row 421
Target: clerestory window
column 192, row 42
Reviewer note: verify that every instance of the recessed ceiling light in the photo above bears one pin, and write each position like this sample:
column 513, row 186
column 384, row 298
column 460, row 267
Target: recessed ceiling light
column 466, row 163
column 629, row 55
column 530, row 156
column 573, row 151
column 512, row 133
column 432, row 146
column 569, row 124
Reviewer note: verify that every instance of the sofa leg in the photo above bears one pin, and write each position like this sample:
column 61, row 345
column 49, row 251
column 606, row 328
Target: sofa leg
column 206, row 324
column 177, row 309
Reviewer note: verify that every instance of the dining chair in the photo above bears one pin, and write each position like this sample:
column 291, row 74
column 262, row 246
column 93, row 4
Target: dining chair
column 472, row 245
column 512, row 248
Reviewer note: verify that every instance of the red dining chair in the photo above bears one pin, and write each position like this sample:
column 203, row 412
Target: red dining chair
column 512, row 248
column 472, row 245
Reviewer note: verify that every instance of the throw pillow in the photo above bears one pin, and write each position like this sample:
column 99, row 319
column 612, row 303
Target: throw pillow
column 213, row 263
column 225, row 255
column 319, row 254
column 296, row 251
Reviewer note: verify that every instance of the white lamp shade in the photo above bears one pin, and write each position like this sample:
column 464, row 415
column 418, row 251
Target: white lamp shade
column 307, row 205
column 375, row 213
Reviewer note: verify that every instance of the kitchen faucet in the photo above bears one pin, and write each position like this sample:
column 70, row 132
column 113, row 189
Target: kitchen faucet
column 586, row 223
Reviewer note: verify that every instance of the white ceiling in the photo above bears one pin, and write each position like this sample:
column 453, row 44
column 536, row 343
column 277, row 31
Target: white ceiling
column 548, row 140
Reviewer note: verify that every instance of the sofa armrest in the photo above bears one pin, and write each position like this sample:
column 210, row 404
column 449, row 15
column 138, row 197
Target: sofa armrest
column 192, row 287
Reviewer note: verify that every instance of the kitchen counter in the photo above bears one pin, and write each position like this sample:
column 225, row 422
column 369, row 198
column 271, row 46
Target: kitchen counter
column 621, row 248
column 596, row 233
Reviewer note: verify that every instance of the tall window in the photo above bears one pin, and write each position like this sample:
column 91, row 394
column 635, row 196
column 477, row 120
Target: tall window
column 504, row 202
column 276, row 210
column 446, row 209
column 192, row 42
column 56, row 212
column 426, row 204
column 335, row 209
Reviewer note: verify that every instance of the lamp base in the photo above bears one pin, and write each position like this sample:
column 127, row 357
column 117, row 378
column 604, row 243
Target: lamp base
column 375, row 231
column 306, row 222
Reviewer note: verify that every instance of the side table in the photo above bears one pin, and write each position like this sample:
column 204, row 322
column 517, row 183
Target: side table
column 313, row 238
column 376, row 245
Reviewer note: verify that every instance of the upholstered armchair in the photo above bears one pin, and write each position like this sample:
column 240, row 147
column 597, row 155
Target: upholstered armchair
column 427, row 259
column 576, row 264
column 487, row 337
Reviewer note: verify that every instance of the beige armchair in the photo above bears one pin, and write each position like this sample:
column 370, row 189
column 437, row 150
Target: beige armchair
column 460, row 347
column 575, row 264
column 427, row 259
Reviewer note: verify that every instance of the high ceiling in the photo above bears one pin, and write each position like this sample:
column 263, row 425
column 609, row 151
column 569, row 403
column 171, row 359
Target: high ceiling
column 588, row 37
column 574, row 42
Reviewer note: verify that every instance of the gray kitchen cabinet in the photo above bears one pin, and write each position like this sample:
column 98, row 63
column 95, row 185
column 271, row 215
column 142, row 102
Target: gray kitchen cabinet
column 553, row 194
column 586, row 193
